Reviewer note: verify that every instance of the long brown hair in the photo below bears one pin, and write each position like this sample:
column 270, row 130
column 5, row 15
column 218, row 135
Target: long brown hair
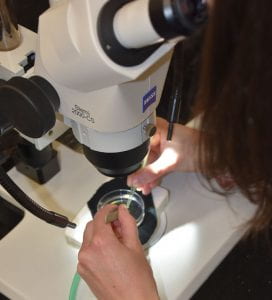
column 235, row 99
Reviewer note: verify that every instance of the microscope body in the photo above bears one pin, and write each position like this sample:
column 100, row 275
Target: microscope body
column 102, row 65
column 110, row 107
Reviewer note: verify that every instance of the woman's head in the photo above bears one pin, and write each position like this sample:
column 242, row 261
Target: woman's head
column 235, row 96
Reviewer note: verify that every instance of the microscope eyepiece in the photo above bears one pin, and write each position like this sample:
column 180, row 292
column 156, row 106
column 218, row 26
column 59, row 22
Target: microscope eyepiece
column 178, row 17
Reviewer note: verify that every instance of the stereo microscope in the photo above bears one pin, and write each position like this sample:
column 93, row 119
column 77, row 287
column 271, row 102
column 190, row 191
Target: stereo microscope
column 102, row 65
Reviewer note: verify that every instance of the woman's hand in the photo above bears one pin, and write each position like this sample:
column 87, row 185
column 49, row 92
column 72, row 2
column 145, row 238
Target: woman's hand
column 179, row 154
column 112, row 260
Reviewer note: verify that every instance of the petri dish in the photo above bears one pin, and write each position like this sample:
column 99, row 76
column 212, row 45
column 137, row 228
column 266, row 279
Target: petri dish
column 131, row 199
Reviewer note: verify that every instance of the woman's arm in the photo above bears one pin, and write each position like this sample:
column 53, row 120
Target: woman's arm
column 179, row 154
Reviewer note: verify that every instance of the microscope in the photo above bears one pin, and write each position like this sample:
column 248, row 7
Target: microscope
column 102, row 66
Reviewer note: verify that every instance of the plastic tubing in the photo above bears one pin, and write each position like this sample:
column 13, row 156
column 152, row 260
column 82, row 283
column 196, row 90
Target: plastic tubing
column 74, row 287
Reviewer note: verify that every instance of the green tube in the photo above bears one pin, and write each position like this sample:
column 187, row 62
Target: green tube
column 74, row 287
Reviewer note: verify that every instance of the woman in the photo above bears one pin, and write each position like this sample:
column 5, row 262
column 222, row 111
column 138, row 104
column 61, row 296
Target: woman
column 235, row 105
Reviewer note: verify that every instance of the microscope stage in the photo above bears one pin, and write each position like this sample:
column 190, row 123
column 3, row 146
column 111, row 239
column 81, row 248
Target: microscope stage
column 160, row 198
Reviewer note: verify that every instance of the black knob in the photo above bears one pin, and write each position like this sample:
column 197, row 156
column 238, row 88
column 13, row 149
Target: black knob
column 29, row 104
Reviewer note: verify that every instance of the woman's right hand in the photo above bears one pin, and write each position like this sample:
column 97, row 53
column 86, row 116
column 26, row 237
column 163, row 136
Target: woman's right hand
column 179, row 154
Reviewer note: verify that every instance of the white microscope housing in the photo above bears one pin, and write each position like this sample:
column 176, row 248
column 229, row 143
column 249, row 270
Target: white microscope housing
column 110, row 107
column 102, row 65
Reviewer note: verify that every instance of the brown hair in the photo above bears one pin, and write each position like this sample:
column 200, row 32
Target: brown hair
column 235, row 99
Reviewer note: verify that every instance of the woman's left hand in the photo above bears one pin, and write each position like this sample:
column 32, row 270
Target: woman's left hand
column 112, row 260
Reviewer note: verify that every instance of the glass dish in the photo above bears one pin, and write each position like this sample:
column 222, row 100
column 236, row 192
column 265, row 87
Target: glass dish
column 130, row 198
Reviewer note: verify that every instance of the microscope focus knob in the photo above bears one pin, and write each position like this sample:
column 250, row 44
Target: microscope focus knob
column 150, row 130
column 29, row 105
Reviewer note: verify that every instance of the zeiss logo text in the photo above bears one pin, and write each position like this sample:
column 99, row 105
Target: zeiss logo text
column 149, row 98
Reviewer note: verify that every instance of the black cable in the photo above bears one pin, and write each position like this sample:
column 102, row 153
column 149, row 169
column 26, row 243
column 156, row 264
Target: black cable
column 176, row 95
column 49, row 216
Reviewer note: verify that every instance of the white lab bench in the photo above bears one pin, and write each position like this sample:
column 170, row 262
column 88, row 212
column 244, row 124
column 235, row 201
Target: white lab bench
column 36, row 262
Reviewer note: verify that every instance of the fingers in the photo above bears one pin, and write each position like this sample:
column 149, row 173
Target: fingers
column 155, row 152
column 145, row 175
column 143, row 179
column 100, row 216
column 124, row 229
column 99, row 227
column 147, row 188
column 142, row 174
column 88, row 234
column 128, row 228
column 98, row 224
column 117, row 229
column 153, row 172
